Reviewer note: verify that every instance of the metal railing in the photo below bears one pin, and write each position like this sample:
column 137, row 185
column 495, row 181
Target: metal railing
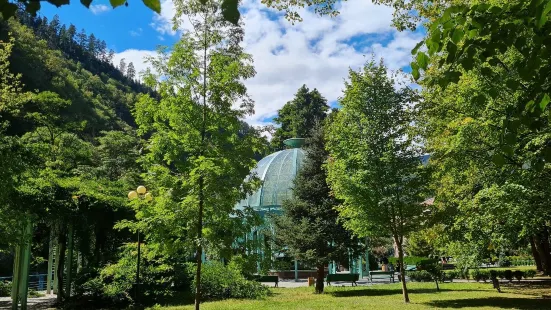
column 37, row 281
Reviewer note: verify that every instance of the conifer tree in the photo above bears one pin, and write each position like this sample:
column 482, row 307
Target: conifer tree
column 298, row 116
column 92, row 45
column 82, row 40
column 122, row 66
column 309, row 225
column 130, row 71
column 102, row 50
column 110, row 56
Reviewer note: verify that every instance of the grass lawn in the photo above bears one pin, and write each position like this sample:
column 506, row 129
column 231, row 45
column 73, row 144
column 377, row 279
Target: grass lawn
column 422, row 296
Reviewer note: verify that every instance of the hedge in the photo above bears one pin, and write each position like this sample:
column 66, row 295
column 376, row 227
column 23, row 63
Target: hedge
column 485, row 274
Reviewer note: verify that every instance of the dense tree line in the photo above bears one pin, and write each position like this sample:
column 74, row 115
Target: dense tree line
column 69, row 148
column 71, row 116
column 85, row 48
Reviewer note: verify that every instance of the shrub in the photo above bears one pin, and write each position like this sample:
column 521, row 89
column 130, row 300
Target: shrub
column 475, row 274
column 530, row 273
column 222, row 282
column 508, row 274
column 435, row 270
column 243, row 263
column 521, row 260
column 503, row 261
column 114, row 285
column 420, row 276
column 480, row 275
column 414, row 260
column 32, row 293
column 518, row 274
column 449, row 275
column 485, row 275
column 463, row 274
column 5, row 289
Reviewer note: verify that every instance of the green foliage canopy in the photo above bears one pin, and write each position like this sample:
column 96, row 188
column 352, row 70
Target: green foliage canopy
column 299, row 116
column 374, row 165
column 491, row 38
column 198, row 155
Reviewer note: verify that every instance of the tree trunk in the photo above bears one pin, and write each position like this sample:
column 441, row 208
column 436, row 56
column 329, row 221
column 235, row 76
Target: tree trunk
column 535, row 254
column 402, row 268
column 60, row 262
column 320, row 278
column 199, row 258
column 542, row 246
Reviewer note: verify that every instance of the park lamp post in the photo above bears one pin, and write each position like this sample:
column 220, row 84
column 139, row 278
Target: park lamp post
column 142, row 194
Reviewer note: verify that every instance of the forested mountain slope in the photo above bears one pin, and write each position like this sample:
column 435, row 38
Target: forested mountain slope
column 77, row 67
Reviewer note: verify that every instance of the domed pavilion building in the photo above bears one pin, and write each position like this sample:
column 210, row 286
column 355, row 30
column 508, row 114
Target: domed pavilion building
column 277, row 172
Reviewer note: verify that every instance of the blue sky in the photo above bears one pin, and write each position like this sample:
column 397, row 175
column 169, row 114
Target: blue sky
column 316, row 52
column 122, row 28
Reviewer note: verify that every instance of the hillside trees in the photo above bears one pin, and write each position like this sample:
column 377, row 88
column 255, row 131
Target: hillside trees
column 198, row 153
column 298, row 116
column 309, row 225
column 374, row 164
column 71, row 131
column 90, row 51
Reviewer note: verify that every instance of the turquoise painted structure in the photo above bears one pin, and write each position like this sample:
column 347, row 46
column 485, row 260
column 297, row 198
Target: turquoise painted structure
column 277, row 172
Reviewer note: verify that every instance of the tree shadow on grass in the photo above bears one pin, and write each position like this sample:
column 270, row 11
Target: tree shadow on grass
column 383, row 292
column 500, row 302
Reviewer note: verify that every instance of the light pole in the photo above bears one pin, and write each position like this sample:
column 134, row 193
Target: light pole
column 139, row 193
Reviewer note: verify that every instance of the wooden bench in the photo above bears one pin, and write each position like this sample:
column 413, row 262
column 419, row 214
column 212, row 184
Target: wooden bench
column 381, row 274
column 260, row 278
column 349, row 277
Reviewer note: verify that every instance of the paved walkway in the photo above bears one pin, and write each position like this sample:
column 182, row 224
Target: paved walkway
column 45, row 302
column 304, row 282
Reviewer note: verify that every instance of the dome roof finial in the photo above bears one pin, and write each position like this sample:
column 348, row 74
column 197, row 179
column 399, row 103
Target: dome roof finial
column 294, row 142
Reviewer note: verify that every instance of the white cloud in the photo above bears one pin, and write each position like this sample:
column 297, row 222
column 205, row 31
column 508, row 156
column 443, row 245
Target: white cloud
column 99, row 8
column 137, row 57
column 317, row 52
column 136, row 33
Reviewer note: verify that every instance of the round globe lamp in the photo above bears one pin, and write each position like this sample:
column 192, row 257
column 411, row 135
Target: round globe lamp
column 132, row 195
column 141, row 190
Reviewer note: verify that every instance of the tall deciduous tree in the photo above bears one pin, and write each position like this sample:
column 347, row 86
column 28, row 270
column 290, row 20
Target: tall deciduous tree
column 374, row 166
column 514, row 36
column 309, row 225
column 199, row 156
column 298, row 116
column 483, row 178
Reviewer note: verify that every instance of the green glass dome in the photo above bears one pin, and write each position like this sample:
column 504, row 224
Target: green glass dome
column 277, row 172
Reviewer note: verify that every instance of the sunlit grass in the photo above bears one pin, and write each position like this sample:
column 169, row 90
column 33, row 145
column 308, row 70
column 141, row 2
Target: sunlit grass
column 422, row 295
